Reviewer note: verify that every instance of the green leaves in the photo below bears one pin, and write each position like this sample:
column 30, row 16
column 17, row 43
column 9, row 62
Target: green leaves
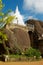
column 1, row 5
column 0, row 41
column 1, row 14
column 0, row 0
column 9, row 19
column 0, row 33
column 32, row 52
column 3, row 37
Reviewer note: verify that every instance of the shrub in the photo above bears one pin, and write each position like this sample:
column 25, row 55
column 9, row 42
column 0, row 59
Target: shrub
column 37, row 53
column 17, row 52
column 32, row 52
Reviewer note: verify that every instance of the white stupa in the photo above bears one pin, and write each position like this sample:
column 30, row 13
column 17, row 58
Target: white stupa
column 19, row 17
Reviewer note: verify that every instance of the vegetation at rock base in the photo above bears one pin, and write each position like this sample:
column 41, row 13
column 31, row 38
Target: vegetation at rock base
column 33, row 52
column 29, row 55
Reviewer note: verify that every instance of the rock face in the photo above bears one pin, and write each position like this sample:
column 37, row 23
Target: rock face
column 38, row 26
column 22, row 37
column 18, row 38
column 36, row 37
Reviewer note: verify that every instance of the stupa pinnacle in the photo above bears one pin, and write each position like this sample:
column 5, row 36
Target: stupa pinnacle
column 19, row 17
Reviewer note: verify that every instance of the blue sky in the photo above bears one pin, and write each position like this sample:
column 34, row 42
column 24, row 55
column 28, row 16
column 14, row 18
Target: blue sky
column 28, row 8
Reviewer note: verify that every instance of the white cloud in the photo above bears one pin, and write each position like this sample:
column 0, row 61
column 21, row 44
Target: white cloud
column 34, row 5
column 11, row 13
column 31, row 17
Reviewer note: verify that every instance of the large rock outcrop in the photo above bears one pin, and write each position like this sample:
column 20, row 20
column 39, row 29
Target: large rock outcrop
column 18, row 38
column 38, row 26
column 36, row 36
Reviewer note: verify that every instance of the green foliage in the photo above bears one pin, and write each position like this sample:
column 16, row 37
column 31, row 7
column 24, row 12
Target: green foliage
column 3, row 16
column 17, row 52
column 3, row 37
column 9, row 19
column 32, row 52
column 1, row 5
column 1, row 13
column 0, row 41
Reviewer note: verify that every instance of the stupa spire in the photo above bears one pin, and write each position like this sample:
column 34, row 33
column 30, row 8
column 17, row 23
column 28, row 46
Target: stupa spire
column 17, row 9
column 19, row 17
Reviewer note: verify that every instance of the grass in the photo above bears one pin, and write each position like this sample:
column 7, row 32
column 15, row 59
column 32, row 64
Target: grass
column 15, row 56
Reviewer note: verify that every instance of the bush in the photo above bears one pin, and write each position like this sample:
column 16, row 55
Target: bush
column 32, row 52
column 17, row 52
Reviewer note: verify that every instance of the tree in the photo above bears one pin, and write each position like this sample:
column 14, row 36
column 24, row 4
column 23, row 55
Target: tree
column 3, row 37
column 1, row 13
column 4, row 17
column 4, row 20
